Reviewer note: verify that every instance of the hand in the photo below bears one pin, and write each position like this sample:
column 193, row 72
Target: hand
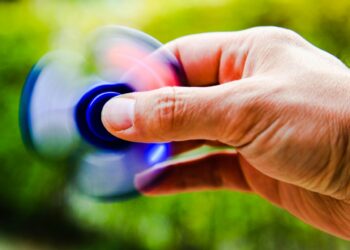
column 282, row 103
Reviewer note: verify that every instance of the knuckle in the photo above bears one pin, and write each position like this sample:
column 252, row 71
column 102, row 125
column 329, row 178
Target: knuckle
column 166, row 111
column 179, row 45
column 272, row 45
column 281, row 34
column 276, row 37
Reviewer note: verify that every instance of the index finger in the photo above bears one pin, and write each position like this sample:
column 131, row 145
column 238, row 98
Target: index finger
column 212, row 58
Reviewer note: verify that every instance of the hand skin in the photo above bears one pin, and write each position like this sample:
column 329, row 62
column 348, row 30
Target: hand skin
column 282, row 103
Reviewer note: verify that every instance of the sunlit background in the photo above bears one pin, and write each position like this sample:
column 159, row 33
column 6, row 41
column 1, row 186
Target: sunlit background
column 37, row 211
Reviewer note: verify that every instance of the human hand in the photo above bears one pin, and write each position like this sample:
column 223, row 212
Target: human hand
column 283, row 104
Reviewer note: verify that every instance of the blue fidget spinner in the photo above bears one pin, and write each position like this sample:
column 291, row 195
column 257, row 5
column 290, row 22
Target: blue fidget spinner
column 61, row 104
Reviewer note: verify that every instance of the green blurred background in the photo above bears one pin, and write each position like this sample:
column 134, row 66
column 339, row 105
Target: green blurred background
column 38, row 211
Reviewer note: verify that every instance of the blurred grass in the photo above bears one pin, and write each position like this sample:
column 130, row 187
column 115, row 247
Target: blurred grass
column 37, row 211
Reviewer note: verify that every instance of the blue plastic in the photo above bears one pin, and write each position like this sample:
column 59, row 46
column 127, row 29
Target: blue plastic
column 24, row 112
column 93, row 116
column 88, row 115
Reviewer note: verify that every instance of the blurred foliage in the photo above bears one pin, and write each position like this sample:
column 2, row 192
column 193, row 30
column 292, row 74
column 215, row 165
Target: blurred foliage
column 38, row 211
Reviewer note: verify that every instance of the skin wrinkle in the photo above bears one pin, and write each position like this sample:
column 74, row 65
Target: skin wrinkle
column 255, row 178
column 243, row 59
column 140, row 121
column 308, row 205
column 287, row 161
column 254, row 154
column 339, row 213
column 346, row 159
column 343, row 145
column 311, row 201
column 299, row 204
column 344, row 208
column 335, row 184
column 219, row 65
column 332, row 215
column 259, row 117
column 250, row 65
column 322, row 180
column 343, row 174
column 241, row 65
column 227, row 182
column 328, row 169
column 252, row 150
column 241, row 105
column 323, row 161
column 166, row 111
column 175, row 101
column 300, row 173
column 243, row 141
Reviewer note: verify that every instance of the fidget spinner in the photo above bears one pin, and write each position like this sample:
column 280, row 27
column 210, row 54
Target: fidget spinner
column 62, row 100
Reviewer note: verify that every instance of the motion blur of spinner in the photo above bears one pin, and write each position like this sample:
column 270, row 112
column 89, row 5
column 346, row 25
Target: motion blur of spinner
column 62, row 100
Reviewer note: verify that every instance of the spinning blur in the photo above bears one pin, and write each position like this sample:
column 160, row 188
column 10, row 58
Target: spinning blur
column 61, row 104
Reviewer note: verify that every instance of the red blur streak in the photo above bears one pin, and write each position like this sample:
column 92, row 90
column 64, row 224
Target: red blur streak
column 146, row 70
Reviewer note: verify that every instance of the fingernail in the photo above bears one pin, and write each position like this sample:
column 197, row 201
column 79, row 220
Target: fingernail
column 118, row 113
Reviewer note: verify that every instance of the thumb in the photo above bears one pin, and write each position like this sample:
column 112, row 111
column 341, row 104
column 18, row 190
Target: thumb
column 173, row 114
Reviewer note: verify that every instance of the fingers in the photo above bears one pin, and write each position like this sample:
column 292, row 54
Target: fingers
column 220, row 57
column 212, row 58
column 216, row 171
